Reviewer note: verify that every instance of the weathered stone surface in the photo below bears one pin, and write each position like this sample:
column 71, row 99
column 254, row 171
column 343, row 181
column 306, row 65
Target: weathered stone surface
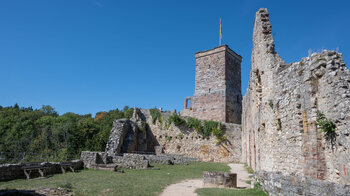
column 131, row 135
column 123, row 137
column 92, row 158
column 185, row 141
column 219, row 179
column 279, row 115
column 133, row 161
column 218, row 86
column 100, row 160
column 276, row 183
column 172, row 139
column 158, row 150
column 170, row 159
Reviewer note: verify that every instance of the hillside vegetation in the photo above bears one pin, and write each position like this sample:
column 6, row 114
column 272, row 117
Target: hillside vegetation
column 28, row 134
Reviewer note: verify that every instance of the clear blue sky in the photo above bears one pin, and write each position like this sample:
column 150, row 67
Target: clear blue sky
column 86, row 56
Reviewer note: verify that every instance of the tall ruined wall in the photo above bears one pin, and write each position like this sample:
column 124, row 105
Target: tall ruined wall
column 218, row 86
column 280, row 112
column 141, row 134
column 182, row 140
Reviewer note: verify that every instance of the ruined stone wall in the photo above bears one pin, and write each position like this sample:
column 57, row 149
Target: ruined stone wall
column 280, row 112
column 128, row 135
column 15, row 171
column 218, row 86
column 277, row 183
column 182, row 140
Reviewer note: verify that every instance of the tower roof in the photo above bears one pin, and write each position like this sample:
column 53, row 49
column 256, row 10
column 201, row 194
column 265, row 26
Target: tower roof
column 216, row 50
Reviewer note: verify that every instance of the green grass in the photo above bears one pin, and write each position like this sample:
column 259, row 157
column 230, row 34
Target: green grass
column 132, row 182
column 249, row 169
column 231, row 192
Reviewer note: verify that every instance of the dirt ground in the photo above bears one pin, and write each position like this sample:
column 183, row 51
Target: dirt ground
column 188, row 187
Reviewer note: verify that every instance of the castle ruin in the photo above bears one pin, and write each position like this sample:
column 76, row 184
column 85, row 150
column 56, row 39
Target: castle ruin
column 283, row 138
column 292, row 127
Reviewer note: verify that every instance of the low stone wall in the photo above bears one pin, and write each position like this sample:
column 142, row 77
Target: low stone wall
column 170, row 159
column 15, row 171
column 93, row 158
column 219, row 179
column 98, row 160
column 131, row 161
column 275, row 183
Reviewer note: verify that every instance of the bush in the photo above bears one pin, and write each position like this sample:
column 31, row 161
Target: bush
column 176, row 120
column 208, row 127
column 249, row 169
column 128, row 112
column 217, row 132
column 326, row 125
column 66, row 185
column 194, row 124
column 156, row 115
column 257, row 185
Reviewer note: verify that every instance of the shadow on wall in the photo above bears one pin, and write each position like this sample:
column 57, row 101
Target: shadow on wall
column 151, row 140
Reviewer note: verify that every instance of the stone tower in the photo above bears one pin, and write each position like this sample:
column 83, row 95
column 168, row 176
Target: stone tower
column 218, row 86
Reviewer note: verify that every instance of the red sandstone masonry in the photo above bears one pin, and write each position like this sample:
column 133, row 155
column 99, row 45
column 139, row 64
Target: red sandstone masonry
column 218, row 86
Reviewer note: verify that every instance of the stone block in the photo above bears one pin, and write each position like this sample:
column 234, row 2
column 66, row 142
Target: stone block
column 219, row 179
column 158, row 150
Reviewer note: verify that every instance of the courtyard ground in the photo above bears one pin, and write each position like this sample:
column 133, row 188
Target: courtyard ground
column 194, row 187
column 132, row 182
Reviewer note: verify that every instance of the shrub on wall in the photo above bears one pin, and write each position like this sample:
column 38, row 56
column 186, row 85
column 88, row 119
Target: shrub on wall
column 217, row 131
column 176, row 120
column 326, row 125
column 194, row 124
column 156, row 115
column 209, row 127
column 206, row 128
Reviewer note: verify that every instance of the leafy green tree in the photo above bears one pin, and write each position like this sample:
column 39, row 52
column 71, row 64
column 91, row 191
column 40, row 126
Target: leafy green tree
column 24, row 131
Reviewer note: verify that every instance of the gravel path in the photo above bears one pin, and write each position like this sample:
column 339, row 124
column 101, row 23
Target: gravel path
column 188, row 187
column 242, row 175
